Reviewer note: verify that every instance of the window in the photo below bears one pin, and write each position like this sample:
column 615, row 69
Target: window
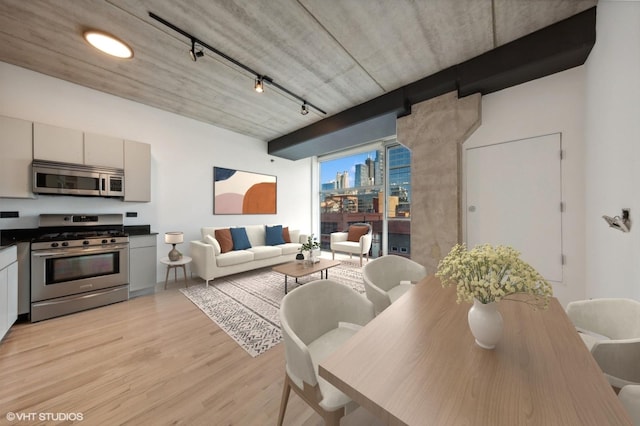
column 352, row 190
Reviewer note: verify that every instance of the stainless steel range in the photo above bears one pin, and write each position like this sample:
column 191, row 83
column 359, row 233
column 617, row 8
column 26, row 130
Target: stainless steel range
column 78, row 262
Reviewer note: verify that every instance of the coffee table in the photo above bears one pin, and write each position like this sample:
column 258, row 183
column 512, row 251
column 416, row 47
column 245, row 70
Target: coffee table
column 298, row 269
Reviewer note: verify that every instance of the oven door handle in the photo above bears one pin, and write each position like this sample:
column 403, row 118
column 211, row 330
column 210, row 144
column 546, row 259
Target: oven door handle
column 78, row 251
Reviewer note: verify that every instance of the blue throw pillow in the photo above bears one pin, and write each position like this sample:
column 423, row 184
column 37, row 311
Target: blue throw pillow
column 240, row 239
column 274, row 235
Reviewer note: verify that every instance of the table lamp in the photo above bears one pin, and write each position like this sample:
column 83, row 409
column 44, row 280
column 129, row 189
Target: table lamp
column 173, row 238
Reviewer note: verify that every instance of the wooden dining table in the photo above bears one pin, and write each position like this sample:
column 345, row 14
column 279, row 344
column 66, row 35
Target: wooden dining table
column 417, row 364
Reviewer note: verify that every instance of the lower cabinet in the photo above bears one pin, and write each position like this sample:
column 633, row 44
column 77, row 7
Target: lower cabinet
column 142, row 263
column 8, row 289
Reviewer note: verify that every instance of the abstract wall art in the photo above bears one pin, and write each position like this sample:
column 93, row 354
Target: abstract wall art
column 239, row 192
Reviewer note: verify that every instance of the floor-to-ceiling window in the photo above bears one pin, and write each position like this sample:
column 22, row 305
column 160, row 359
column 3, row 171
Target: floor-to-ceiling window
column 371, row 185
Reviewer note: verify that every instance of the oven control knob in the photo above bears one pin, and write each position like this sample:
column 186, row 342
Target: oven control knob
column 85, row 242
column 113, row 240
column 105, row 241
column 65, row 244
column 54, row 244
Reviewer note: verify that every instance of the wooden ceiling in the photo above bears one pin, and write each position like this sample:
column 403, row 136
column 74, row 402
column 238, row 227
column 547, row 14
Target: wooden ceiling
column 334, row 53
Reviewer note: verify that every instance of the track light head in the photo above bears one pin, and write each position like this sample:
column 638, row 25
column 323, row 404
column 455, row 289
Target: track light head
column 195, row 54
column 259, row 85
column 304, row 109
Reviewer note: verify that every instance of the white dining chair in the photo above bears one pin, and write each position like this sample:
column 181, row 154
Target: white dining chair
column 316, row 319
column 387, row 278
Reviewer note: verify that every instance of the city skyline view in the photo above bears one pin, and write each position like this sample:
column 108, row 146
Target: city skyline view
column 329, row 169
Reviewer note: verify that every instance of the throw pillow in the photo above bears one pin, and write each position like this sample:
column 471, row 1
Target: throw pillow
column 356, row 231
column 285, row 235
column 273, row 235
column 240, row 239
column 212, row 241
column 224, row 238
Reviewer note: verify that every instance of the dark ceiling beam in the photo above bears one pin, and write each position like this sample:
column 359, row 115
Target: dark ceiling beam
column 389, row 102
column 558, row 47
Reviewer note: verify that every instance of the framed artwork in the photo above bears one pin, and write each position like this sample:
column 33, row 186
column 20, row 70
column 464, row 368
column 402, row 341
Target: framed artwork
column 239, row 192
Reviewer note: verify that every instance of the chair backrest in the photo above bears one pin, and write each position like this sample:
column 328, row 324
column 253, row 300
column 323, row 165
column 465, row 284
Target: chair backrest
column 312, row 310
column 630, row 397
column 386, row 272
column 616, row 318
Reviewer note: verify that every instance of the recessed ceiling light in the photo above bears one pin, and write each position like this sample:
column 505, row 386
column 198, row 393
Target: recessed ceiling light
column 108, row 44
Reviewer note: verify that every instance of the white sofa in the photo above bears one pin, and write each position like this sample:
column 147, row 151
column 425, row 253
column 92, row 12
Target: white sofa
column 209, row 263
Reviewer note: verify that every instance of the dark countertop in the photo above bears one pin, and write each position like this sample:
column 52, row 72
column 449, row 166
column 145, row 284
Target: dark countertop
column 13, row 236
column 138, row 230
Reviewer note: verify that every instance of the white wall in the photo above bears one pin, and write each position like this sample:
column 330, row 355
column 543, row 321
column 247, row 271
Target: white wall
column 553, row 104
column 183, row 152
column 612, row 157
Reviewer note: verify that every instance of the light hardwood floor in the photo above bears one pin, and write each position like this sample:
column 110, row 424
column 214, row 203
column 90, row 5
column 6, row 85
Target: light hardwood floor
column 151, row 360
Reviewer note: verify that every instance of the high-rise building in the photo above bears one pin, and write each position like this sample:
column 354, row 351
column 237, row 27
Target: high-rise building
column 342, row 180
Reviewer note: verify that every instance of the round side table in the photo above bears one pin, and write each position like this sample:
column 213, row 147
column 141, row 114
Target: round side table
column 175, row 264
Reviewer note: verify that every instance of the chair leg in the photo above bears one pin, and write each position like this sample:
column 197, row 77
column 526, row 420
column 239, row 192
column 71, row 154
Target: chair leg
column 333, row 255
column 333, row 418
column 286, row 390
column 360, row 259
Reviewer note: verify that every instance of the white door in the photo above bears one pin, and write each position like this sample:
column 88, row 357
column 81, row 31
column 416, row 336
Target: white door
column 513, row 197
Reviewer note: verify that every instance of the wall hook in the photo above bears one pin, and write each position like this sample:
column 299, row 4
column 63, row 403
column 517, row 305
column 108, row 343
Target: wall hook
column 622, row 223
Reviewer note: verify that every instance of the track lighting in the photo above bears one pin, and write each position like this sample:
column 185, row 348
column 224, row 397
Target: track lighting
column 260, row 78
column 193, row 53
column 259, row 86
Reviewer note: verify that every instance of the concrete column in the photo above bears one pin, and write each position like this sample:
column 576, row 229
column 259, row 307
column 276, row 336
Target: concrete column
column 435, row 131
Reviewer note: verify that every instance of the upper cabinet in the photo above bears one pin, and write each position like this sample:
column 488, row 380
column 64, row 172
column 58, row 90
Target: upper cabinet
column 137, row 171
column 15, row 158
column 106, row 151
column 52, row 143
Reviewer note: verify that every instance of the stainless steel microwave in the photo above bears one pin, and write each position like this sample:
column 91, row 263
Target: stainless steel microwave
column 77, row 179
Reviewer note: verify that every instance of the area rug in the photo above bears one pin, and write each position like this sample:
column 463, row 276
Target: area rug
column 246, row 305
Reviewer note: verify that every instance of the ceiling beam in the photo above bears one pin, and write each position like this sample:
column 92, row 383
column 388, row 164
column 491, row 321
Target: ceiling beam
column 558, row 47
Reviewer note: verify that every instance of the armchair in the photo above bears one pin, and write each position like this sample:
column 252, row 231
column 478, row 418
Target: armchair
column 611, row 330
column 356, row 240
column 387, row 278
column 316, row 319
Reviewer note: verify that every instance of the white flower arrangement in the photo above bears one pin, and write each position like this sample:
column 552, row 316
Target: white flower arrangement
column 311, row 244
column 490, row 274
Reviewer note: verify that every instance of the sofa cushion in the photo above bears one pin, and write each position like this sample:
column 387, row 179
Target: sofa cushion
column 285, row 234
column 290, row 248
column 348, row 246
column 212, row 241
column 273, row 235
column 224, row 238
column 255, row 234
column 240, row 239
column 265, row 252
column 234, row 257
column 357, row 231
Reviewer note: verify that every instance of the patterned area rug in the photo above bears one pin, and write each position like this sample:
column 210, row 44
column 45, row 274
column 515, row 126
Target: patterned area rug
column 246, row 305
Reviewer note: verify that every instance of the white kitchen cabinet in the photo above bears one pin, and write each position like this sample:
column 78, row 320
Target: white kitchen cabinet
column 137, row 171
column 101, row 150
column 52, row 143
column 15, row 159
column 142, row 262
column 8, row 289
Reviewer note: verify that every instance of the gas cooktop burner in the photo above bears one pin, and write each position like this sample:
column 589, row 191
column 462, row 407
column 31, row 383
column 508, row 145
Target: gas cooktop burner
column 79, row 235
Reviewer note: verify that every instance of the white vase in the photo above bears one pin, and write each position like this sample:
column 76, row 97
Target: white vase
column 485, row 322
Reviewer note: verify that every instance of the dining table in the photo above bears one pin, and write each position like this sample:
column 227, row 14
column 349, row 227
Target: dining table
column 417, row 363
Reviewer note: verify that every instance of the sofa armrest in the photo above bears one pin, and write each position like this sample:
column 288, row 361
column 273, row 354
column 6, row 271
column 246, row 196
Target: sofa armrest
column 365, row 243
column 204, row 260
column 337, row 237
